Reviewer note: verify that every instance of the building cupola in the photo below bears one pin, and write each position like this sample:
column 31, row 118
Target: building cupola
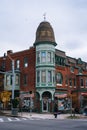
column 45, row 33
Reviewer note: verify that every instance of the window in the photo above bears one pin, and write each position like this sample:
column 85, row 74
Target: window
column 53, row 76
column 17, row 79
column 7, row 80
column 49, row 76
column 70, row 82
column 53, row 57
column 43, row 76
column 26, row 62
column 17, row 64
column 86, row 82
column 11, row 79
column 81, row 82
column 25, row 79
column 49, row 56
column 59, row 78
column 66, row 80
column 86, row 67
column 38, row 57
column 3, row 66
column 72, row 69
column 74, row 82
column 59, row 60
column 38, row 76
column 43, row 56
column 80, row 71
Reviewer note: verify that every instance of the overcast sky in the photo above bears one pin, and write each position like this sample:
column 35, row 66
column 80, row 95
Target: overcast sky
column 19, row 20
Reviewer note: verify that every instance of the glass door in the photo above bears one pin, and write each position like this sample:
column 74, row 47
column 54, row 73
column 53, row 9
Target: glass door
column 44, row 105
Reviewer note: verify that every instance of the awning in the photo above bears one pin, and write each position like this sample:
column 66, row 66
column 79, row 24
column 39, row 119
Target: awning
column 29, row 95
column 61, row 95
column 84, row 94
column 26, row 95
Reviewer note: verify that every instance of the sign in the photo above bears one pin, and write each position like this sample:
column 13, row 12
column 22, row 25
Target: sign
column 5, row 96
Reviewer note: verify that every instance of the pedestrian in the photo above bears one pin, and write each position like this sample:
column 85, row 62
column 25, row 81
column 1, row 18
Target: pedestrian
column 55, row 110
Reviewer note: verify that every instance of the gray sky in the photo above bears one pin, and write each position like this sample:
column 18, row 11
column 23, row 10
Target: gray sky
column 19, row 20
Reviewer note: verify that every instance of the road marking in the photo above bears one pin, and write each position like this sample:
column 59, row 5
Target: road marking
column 9, row 119
column 24, row 118
column 17, row 119
column 1, row 120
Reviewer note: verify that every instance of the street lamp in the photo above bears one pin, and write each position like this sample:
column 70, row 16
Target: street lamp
column 13, row 74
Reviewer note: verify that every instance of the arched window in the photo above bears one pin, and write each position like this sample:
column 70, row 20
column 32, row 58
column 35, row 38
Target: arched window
column 59, row 78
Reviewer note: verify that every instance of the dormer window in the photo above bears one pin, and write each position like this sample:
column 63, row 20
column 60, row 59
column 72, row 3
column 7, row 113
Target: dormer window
column 80, row 61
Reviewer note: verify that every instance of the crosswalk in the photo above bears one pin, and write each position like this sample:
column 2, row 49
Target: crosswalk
column 9, row 119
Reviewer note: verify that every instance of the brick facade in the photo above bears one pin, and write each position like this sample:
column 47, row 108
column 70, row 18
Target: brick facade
column 69, row 81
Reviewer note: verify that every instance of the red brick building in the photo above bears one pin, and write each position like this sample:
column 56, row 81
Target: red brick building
column 44, row 75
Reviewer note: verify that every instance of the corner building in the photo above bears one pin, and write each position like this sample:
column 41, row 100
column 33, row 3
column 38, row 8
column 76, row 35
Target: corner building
column 44, row 75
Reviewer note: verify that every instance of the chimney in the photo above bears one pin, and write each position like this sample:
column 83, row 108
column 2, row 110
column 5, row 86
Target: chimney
column 9, row 52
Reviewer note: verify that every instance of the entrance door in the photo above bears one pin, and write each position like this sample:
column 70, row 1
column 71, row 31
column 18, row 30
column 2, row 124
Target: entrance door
column 44, row 105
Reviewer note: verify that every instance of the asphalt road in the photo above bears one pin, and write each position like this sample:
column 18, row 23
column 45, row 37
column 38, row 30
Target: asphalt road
column 45, row 125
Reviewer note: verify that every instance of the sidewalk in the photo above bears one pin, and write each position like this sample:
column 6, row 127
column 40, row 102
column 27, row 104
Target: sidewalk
column 37, row 115
column 44, row 115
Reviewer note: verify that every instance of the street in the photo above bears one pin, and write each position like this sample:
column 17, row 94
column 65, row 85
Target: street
column 65, row 124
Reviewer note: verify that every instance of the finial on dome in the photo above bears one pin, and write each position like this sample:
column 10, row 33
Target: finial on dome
column 44, row 15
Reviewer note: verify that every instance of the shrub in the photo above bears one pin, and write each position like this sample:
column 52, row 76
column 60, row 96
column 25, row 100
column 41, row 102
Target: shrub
column 15, row 103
